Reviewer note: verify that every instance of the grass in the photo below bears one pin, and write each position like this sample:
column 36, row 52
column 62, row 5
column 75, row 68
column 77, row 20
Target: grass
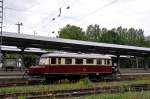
column 126, row 95
column 82, row 84
column 21, row 97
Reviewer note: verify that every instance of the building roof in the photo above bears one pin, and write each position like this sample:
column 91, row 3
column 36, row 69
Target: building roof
column 24, row 40
column 28, row 50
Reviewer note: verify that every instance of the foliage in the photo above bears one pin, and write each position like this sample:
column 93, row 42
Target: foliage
column 127, row 95
column 116, row 35
column 85, row 81
column 79, row 85
column 29, row 59
column 94, row 33
column 119, row 35
column 10, row 56
column 110, row 37
column 72, row 32
column 21, row 97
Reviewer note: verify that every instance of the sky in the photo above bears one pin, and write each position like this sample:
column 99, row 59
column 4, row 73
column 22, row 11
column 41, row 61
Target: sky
column 37, row 15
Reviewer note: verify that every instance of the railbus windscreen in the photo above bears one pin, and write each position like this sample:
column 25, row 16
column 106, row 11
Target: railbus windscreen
column 44, row 61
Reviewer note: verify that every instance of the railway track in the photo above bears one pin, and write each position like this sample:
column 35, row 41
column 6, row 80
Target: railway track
column 18, row 83
column 78, row 93
column 9, row 82
column 13, row 84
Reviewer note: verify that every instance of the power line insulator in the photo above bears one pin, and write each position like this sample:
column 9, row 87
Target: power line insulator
column 59, row 12
column 68, row 7
column 53, row 19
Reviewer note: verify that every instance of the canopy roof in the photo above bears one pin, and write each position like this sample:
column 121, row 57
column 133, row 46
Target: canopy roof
column 27, row 41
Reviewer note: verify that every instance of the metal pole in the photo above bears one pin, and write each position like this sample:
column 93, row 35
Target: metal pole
column 21, row 57
column 118, row 63
column 1, row 29
column 146, row 63
column 19, row 24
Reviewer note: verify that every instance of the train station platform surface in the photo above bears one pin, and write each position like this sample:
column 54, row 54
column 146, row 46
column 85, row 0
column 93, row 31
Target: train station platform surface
column 11, row 75
column 134, row 70
column 4, row 73
column 15, row 74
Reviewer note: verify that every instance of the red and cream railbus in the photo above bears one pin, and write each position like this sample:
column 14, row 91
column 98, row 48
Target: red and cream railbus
column 71, row 66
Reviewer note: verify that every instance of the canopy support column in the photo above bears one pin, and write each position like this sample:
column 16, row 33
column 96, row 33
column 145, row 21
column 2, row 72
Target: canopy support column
column 146, row 63
column 118, row 63
column 21, row 57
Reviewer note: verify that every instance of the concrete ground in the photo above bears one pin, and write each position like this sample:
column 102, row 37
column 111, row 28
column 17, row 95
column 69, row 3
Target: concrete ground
column 16, row 73
column 134, row 70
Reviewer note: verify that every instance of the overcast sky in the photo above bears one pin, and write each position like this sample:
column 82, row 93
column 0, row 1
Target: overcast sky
column 37, row 15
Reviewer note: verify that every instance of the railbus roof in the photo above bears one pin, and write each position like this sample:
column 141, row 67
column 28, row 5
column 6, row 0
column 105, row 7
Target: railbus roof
column 76, row 55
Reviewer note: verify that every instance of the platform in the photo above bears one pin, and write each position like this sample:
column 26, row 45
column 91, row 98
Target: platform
column 15, row 74
column 134, row 70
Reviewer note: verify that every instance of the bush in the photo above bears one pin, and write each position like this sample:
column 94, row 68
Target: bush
column 85, row 82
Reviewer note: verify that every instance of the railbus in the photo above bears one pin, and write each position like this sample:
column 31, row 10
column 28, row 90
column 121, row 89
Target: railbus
column 72, row 66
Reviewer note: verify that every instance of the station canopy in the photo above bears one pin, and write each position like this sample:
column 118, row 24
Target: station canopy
column 27, row 41
column 12, row 49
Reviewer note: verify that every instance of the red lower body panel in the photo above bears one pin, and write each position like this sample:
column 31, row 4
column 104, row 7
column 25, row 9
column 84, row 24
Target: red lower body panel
column 78, row 69
column 36, row 70
column 70, row 69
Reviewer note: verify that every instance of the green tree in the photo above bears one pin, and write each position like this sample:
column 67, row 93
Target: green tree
column 130, row 36
column 29, row 59
column 93, row 33
column 72, row 32
column 110, row 37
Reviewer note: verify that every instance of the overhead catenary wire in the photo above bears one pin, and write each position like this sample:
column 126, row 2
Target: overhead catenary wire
column 22, row 11
column 61, row 10
column 93, row 12
column 9, row 8
column 65, row 1
column 96, row 10
column 26, row 10
column 53, row 19
column 18, row 10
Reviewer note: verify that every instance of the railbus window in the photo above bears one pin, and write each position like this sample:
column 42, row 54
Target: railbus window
column 79, row 61
column 105, row 61
column 68, row 61
column 99, row 61
column 53, row 60
column 89, row 61
column 59, row 60
column 108, row 62
column 44, row 61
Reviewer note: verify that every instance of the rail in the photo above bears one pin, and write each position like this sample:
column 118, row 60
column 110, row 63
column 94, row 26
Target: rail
column 81, row 92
